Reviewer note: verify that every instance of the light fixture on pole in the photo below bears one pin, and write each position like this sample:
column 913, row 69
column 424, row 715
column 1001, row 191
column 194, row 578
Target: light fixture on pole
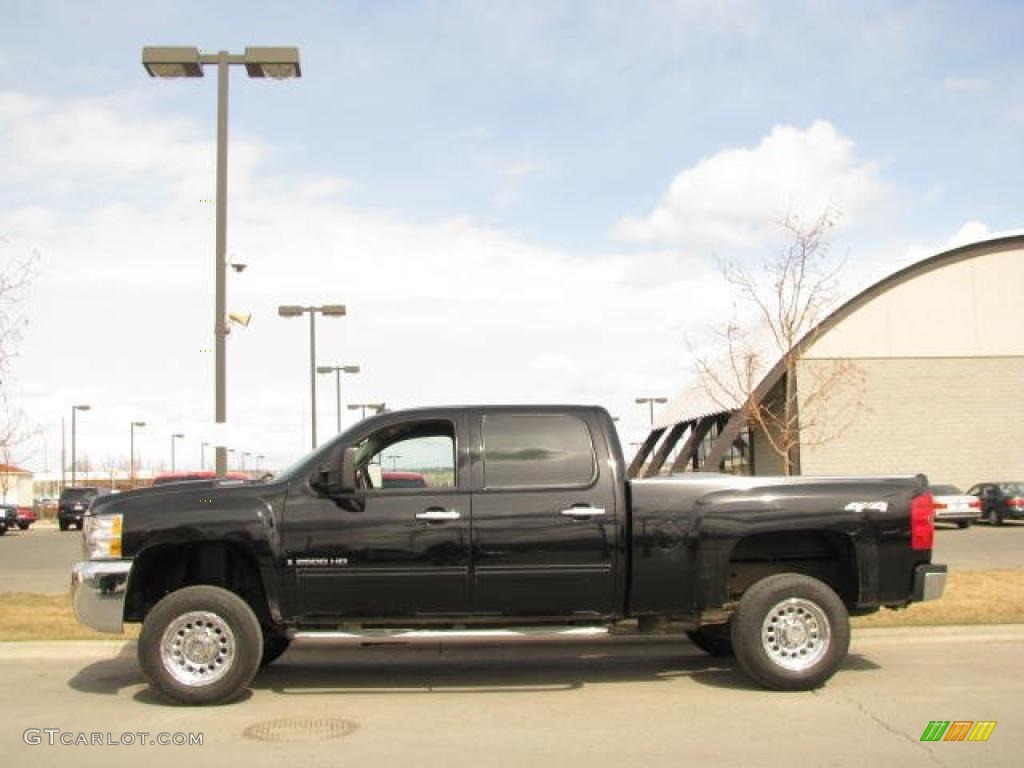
column 337, row 370
column 650, row 401
column 202, row 456
column 375, row 407
column 175, row 436
column 74, row 410
column 131, row 462
column 327, row 310
column 172, row 62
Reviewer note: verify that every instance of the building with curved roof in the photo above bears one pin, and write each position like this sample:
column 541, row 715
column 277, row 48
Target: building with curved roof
column 939, row 352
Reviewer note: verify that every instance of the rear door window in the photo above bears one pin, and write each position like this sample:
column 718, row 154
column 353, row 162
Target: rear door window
column 547, row 450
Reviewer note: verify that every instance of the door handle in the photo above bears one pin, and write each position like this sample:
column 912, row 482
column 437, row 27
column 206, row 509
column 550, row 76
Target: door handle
column 583, row 511
column 436, row 514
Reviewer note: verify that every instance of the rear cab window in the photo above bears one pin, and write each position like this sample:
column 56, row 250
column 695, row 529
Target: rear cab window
column 543, row 450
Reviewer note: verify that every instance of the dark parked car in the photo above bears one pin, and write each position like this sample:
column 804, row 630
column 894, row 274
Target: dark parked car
column 1000, row 501
column 8, row 518
column 404, row 480
column 73, row 503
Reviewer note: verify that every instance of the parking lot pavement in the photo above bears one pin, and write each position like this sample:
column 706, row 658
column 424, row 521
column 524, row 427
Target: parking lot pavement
column 620, row 701
column 39, row 559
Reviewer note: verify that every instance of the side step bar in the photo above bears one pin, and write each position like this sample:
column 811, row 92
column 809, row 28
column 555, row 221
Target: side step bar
column 413, row 635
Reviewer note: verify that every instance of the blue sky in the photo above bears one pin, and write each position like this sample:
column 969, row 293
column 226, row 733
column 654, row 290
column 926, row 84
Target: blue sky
column 544, row 137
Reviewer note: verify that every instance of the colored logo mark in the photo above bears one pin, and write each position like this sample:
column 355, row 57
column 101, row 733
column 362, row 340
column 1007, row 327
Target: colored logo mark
column 958, row 730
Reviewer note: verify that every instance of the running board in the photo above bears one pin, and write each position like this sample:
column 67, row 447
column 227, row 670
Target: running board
column 404, row 635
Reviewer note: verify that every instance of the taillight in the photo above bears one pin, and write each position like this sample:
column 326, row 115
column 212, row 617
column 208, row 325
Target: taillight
column 938, row 505
column 976, row 504
column 1016, row 502
column 922, row 522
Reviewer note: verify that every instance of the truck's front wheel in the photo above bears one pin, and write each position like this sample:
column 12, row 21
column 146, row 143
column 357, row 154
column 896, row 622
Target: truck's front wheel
column 200, row 645
column 790, row 632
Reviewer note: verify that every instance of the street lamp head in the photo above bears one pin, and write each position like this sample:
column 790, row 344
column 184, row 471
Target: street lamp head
column 170, row 61
column 350, row 369
column 177, row 434
column 81, row 407
column 325, row 369
column 661, row 399
column 138, row 423
column 332, row 310
column 355, row 407
column 290, row 310
column 276, row 63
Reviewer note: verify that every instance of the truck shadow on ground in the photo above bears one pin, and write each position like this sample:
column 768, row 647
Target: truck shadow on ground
column 317, row 667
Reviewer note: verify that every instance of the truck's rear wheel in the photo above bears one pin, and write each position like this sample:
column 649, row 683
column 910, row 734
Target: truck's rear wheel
column 790, row 632
column 714, row 639
column 200, row 645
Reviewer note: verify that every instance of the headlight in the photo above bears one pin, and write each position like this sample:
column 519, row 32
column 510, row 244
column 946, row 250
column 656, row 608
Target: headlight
column 103, row 537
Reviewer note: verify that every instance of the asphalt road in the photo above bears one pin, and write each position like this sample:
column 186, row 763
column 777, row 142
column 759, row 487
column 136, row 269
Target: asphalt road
column 617, row 702
column 39, row 560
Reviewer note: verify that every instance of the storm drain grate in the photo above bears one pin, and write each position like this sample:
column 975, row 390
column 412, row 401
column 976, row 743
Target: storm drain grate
column 300, row 729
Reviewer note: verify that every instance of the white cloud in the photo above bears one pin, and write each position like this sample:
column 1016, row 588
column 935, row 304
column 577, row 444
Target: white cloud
column 966, row 84
column 732, row 198
column 439, row 312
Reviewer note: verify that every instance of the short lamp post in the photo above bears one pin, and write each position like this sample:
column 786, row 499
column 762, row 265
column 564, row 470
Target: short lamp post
column 74, row 410
column 650, row 401
column 337, row 370
column 131, row 462
column 174, row 437
column 173, row 62
column 327, row 310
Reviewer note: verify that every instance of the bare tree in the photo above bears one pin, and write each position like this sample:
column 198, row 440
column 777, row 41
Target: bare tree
column 777, row 311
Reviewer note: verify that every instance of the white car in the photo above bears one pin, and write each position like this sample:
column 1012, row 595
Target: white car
column 954, row 506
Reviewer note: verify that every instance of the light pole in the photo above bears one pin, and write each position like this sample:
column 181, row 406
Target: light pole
column 337, row 370
column 202, row 456
column 377, row 407
column 74, row 409
column 276, row 63
column 131, row 462
column 175, row 436
column 231, row 452
column 259, row 461
column 650, row 401
column 244, row 454
column 327, row 310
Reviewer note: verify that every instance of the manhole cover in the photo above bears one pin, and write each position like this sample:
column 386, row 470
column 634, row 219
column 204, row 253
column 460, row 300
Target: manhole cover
column 300, row 729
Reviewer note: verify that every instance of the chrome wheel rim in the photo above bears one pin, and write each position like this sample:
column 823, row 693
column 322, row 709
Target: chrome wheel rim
column 795, row 634
column 197, row 648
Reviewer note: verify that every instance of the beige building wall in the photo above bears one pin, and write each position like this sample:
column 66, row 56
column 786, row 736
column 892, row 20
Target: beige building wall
column 957, row 419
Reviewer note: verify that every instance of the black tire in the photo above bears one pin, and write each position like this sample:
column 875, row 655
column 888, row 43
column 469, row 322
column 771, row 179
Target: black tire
column 274, row 644
column 963, row 524
column 227, row 609
column 815, row 608
column 3, row 530
column 997, row 517
column 62, row 525
column 713, row 639
column 22, row 526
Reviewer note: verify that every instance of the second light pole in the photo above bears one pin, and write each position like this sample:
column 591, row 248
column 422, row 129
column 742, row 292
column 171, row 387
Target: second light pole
column 175, row 436
column 651, row 401
column 74, row 409
column 337, row 370
column 327, row 310
column 131, row 463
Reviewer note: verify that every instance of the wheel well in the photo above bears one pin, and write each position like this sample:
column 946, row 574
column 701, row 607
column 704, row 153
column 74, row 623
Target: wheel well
column 163, row 569
column 829, row 557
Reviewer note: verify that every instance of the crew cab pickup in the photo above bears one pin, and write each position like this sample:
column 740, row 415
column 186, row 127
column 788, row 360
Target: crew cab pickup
column 528, row 520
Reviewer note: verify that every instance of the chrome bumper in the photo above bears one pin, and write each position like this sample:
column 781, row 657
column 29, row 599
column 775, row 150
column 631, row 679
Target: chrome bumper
column 97, row 593
column 929, row 582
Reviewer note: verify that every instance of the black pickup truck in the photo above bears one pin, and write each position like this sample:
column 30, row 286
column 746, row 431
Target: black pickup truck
column 527, row 520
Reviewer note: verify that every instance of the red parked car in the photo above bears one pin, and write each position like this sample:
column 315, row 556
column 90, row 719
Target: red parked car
column 26, row 517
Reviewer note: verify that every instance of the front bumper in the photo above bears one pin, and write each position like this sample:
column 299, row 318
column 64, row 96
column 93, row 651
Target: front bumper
column 98, row 590
column 929, row 582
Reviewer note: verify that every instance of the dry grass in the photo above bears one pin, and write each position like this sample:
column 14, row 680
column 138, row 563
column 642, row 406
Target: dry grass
column 45, row 617
column 972, row 597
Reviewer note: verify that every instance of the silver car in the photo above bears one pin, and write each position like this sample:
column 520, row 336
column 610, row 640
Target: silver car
column 954, row 506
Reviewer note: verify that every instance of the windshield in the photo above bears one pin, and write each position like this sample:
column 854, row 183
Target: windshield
column 946, row 490
column 77, row 494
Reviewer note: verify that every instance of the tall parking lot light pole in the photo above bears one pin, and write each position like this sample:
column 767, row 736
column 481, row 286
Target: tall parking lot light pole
column 131, row 462
column 74, row 410
column 175, row 436
column 650, row 401
column 202, row 456
column 337, row 370
column 375, row 407
column 276, row 63
column 327, row 310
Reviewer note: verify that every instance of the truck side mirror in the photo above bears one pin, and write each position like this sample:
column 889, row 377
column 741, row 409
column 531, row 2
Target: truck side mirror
column 336, row 477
